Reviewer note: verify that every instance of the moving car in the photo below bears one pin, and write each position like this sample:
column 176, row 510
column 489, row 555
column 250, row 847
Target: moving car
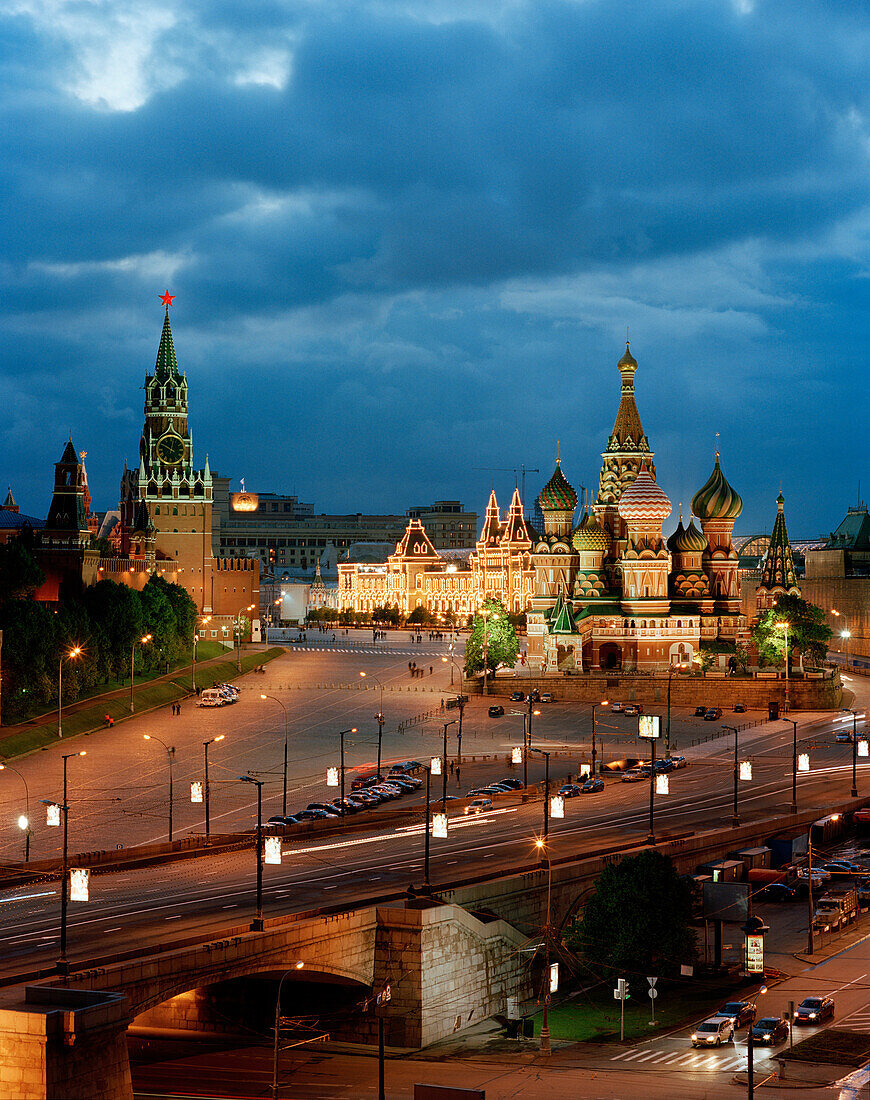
column 664, row 766
column 547, row 697
column 679, row 761
column 778, row 891
column 496, row 712
column 738, row 1012
column 592, row 785
column 634, row 775
column 617, row 708
column 844, row 737
column 812, row 1010
column 701, row 711
column 712, row 714
column 517, row 697
column 632, row 709
column 478, row 805
column 570, row 790
column 739, row 708
column 770, row 1030
column 713, row 1032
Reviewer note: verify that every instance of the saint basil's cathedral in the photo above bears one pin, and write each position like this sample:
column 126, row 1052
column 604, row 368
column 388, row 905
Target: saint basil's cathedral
column 610, row 592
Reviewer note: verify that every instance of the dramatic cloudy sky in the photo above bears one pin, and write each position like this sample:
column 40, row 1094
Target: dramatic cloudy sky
column 406, row 239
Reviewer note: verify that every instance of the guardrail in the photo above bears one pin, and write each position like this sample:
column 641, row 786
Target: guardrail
column 723, row 732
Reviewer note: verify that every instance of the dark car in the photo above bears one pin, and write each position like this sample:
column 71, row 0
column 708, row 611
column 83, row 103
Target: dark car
column 570, row 790
column 843, row 867
column 534, row 695
column 634, row 775
column 712, row 714
column 592, row 785
column 738, row 1012
column 368, row 798
column 514, row 784
column 770, row 1030
column 313, row 815
column 517, row 697
column 739, row 708
column 844, row 737
column 363, row 782
column 778, row 891
column 501, row 788
column 404, row 783
column 496, row 712
column 812, row 1010
column 345, row 806
column 283, row 819
column 664, row 766
column 700, row 712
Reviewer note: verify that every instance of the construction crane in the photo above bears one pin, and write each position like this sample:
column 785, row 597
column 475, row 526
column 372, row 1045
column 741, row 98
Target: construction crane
column 515, row 470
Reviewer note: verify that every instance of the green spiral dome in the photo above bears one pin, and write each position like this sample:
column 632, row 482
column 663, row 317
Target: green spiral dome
column 716, row 499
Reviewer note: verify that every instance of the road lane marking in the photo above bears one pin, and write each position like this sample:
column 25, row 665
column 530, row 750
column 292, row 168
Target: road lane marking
column 106, row 930
column 176, row 916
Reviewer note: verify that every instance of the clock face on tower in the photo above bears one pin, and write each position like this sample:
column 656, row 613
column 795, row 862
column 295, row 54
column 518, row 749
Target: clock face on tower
column 170, row 449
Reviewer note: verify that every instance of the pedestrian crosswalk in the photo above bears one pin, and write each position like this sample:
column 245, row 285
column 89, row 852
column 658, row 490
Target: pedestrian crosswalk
column 722, row 1060
column 856, row 1021
column 367, row 652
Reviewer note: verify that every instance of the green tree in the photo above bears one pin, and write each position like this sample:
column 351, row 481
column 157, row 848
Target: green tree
column 420, row 616
column 20, row 576
column 501, row 640
column 638, row 919
column 808, row 632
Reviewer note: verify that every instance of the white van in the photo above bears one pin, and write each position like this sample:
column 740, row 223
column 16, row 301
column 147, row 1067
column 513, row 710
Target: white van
column 211, row 697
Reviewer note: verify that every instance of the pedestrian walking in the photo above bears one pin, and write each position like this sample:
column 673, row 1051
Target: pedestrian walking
column 457, row 776
column 431, row 670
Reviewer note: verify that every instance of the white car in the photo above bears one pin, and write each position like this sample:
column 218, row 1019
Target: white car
column 713, row 1032
column 478, row 805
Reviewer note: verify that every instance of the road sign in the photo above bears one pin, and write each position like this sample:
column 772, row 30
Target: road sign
column 652, row 982
column 653, row 993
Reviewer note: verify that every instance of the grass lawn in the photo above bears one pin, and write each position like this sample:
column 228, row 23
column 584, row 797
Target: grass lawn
column 593, row 1015
column 839, row 1048
column 147, row 696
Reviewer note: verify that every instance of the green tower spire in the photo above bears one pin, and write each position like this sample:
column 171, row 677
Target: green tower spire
column 167, row 364
column 778, row 574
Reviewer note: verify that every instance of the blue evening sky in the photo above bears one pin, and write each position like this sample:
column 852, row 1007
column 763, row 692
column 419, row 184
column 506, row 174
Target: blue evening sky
column 406, row 239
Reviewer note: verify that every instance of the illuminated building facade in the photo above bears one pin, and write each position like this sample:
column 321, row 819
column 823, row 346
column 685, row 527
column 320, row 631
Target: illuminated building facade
column 610, row 592
column 419, row 575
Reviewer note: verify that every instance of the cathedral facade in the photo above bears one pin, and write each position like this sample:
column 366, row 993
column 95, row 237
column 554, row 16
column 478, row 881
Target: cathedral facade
column 609, row 591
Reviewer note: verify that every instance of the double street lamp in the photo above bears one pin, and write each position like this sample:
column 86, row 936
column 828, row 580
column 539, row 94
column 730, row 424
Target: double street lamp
column 71, row 655
column 281, row 705
column 144, row 640
column 603, row 703
column 170, row 756
column 62, row 962
column 331, row 782
column 846, row 710
column 24, row 819
column 238, row 632
column 379, row 718
column 543, row 846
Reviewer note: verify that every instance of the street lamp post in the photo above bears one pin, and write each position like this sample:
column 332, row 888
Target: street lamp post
column 651, row 838
column 281, row 705
column 735, row 817
column 341, row 735
column 452, row 722
column 62, row 962
column 794, row 763
column 24, row 821
column 546, row 756
column 205, row 745
column 170, row 756
column 754, row 926
column 70, row 656
column 257, row 922
column 784, row 626
column 426, row 885
column 810, row 944
column 207, row 619
column 603, row 703
column 668, row 723
column 250, row 607
column 298, row 966
column 854, row 750
column 144, row 640
column 379, row 718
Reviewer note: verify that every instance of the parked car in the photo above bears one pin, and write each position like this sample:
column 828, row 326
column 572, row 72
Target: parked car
column 739, row 708
column 514, row 784
column 632, row 709
column 738, row 1012
column 861, row 817
column 779, row 891
column 570, row 790
column 664, row 766
column 517, row 697
column 478, row 805
column 313, row 815
column 634, row 775
column 843, row 867
column 712, row 714
column 617, row 708
column 496, row 711
column 534, row 695
column 404, row 783
column 769, row 1031
column 700, row 712
column 713, row 1032
column 283, row 819
column 592, row 785
column 812, row 1010
column 362, row 782
column 547, row 697
column 679, row 761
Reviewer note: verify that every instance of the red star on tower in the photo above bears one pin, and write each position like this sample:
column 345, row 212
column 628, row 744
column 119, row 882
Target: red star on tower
column 166, row 298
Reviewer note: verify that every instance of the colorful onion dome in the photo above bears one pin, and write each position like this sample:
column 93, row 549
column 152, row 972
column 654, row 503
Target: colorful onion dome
column 643, row 501
column 716, row 499
column 687, row 540
column 628, row 361
column 557, row 495
column 590, row 535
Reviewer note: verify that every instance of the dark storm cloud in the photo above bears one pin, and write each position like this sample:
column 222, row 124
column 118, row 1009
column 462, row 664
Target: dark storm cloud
column 348, row 190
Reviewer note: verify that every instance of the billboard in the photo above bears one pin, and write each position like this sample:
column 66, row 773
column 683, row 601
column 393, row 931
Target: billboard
column 649, row 726
column 727, row 901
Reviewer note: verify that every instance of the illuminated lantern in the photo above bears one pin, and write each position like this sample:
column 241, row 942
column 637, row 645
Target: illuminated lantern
column 53, row 815
column 273, row 850
column 332, row 777
column 863, row 748
column 745, row 769
column 804, row 762
column 557, row 806
column 516, row 755
column 435, row 765
column 585, row 771
column 196, row 791
column 662, row 785
column 439, row 826
column 79, row 878
column 554, row 977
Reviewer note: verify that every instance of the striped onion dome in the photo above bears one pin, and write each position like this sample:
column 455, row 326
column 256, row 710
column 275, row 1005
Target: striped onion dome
column 643, row 501
column 557, row 495
column 590, row 535
column 716, row 499
column 687, row 540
